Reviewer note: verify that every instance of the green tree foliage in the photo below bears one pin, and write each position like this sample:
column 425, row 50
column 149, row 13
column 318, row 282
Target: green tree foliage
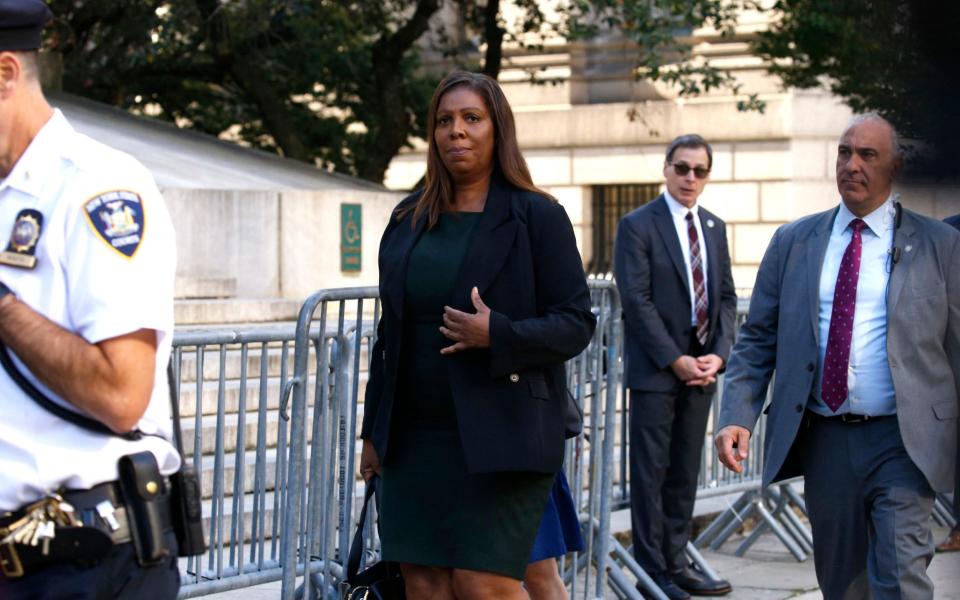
column 334, row 82
column 661, row 30
column 895, row 57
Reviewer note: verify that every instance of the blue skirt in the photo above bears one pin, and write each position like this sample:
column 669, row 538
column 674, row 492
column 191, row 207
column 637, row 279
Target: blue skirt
column 559, row 531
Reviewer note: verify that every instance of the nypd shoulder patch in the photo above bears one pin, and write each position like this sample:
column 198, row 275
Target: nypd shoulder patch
column 117, row 218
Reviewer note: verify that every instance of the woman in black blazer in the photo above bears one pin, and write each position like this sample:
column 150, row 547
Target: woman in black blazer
column 484, row 298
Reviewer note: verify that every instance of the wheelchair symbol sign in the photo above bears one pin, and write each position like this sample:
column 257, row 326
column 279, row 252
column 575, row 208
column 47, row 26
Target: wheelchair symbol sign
column 350, row 237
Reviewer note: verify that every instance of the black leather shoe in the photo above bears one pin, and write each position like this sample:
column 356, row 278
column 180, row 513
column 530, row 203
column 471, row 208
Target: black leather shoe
column 698, row 584
column 667, row 586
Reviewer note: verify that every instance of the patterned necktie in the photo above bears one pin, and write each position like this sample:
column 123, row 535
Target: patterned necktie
column 699, row 289
column 833, row 388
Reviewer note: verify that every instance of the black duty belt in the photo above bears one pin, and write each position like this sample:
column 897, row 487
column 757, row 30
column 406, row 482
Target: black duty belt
column 103, row 520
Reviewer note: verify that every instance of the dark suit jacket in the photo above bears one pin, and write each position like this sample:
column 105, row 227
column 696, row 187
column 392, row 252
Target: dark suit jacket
column 509, row 398
column 954, row 221
column 652, row 279
column 923, row 343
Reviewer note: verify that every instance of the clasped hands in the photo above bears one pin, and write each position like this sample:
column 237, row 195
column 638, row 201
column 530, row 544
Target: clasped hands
column 731, row 441
column 467, row 331
column 701, row 370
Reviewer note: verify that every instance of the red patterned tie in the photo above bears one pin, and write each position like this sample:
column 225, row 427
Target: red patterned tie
column 833, row 388
column 699, row 289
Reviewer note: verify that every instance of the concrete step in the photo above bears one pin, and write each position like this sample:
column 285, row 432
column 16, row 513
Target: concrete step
column 210, row 392
column 205, row 287
column 270, row 498
column 231, row 396
column 235, row 310
column 208, row 462
column 208, row 431
column 234, row 362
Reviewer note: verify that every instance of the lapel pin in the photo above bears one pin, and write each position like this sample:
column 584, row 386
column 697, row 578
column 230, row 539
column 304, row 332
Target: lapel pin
column 709, row 222
column 908, row 248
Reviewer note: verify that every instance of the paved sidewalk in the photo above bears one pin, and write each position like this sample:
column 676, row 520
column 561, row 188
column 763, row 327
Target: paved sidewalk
column 766, row 572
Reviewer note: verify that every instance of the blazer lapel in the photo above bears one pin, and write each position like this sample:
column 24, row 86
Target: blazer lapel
column 492, row 243
column 664, row 224
column 816, row 249
column 395, row 254
column 902, row 238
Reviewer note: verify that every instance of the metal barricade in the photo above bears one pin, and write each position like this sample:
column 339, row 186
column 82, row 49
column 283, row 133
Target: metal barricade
column 277, row 451
column 228, row 383
column 321, row 504
column 277, row 454
column 322, row 476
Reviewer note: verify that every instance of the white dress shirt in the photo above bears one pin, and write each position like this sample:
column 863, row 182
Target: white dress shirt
column 679, row 214
column 106, row 258
column 869, row 382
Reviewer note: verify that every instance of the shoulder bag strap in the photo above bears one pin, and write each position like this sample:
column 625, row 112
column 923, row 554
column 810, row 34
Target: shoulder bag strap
column 49, row 405
column 356, row 547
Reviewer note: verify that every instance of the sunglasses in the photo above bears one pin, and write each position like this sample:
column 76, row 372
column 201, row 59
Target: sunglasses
column 682, row 169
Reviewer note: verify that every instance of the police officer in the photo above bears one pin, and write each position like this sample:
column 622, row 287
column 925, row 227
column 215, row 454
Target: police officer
column 86, row 315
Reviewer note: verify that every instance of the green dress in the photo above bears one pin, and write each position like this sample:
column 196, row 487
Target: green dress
column 433, row 512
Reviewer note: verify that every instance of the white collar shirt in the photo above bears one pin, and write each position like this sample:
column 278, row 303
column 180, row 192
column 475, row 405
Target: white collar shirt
column 678, row 213
column 84, row 282
column 869, row 381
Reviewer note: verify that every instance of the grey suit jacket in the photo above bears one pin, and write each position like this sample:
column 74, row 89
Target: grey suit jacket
column 652, row 280
column 923, row 343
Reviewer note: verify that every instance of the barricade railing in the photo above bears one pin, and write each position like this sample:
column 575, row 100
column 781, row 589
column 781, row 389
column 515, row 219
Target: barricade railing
column 277, row 453
column 227, row 383
column 321, row 506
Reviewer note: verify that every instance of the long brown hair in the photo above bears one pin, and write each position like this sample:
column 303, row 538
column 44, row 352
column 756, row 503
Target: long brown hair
column 439, row 189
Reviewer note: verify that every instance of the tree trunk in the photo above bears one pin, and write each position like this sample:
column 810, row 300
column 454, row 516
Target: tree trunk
column 246, row 70
column 493, row 33
column 393, row 126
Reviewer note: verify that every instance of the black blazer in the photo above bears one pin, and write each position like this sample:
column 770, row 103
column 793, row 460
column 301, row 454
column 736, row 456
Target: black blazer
column 510, row 397
column 652, row 279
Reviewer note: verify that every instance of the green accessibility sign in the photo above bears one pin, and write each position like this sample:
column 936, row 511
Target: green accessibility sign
column 350, row 238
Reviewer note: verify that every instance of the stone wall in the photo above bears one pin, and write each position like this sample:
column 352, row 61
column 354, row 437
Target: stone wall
column 255, row 244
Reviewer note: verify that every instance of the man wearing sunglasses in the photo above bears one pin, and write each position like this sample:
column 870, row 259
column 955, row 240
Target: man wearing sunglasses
column 672, row 268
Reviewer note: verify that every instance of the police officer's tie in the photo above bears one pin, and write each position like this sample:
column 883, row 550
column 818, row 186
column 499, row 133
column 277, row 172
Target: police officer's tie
column 699, row 287
column 833, row 387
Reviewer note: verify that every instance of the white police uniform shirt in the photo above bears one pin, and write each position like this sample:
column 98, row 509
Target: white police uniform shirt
column 105, row 262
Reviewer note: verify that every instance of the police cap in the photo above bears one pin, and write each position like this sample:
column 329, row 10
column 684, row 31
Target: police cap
column 21, row 22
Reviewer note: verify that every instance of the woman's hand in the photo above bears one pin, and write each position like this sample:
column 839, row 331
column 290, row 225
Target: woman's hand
column 369, row 461
column 468, row 331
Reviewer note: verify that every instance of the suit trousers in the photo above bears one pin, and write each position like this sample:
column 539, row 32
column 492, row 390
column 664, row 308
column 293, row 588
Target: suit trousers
column 869, row 508
column 666, row 438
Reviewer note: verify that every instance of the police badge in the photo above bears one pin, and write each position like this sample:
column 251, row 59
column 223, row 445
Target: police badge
column 118, row 220
column 23, row 240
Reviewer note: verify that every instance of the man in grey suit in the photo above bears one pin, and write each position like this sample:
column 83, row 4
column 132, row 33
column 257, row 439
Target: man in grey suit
column 857, row 310
column 952, row 543
column 679, row 304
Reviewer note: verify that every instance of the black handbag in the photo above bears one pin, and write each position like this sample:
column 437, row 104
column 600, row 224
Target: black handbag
column 572, row 417
column 380, row 581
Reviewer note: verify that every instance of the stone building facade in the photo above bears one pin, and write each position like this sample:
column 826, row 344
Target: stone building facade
column 594, row 137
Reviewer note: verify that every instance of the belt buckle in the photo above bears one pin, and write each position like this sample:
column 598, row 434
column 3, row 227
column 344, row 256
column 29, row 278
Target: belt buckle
column 850, row 418
column 9, row 558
